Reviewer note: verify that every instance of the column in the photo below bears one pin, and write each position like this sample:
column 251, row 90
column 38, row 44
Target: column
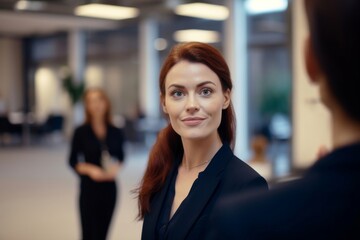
column 149, row 73
column 235, row 46
column 76, row 54
column 149, row 68
column 76, row 64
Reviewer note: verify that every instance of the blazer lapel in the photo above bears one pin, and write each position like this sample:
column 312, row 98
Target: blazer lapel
column 150, row 220
column 200, row 196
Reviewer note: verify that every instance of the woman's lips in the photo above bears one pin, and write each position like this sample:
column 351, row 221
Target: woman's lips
column 193, row 121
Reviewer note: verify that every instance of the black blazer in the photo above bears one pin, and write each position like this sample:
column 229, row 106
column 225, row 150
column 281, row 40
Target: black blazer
column 224, row 175
column 87, row 147
column 324, row 204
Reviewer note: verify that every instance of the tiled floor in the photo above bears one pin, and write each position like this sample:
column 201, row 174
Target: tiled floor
column 38, row 195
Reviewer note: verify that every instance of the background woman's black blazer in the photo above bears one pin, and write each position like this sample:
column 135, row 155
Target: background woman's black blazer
column 225, row 174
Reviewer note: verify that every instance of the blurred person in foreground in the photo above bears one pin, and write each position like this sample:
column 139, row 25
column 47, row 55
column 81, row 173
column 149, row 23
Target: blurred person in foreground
column 192, row 163
column 96, row 156
column 324, row 204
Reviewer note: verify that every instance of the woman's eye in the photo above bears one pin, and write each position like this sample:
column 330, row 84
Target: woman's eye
column 206, row 91
column 177, row 94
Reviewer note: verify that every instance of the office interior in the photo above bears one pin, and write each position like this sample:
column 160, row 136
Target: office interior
column 49, row 48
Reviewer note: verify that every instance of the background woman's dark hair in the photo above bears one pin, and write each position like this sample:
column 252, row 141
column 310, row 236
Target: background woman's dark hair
column 108, row 115
column 168, row 143
column 335, row 35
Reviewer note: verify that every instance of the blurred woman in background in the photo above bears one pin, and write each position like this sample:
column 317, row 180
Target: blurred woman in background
column 96, row 156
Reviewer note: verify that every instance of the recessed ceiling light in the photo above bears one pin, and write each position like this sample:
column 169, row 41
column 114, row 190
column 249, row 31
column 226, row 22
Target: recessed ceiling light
column 203, row 10
column 29, row 5
column 190, row 35
column 261, row 6
column 106, row 11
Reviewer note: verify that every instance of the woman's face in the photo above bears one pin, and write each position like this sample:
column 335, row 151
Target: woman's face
column 194, row 100
column 96, row 104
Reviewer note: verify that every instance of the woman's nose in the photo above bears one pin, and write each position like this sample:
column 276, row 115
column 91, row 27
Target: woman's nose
column 192, row 104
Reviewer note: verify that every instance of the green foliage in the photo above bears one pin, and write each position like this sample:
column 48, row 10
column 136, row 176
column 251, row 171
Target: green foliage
column 75, row 91
column 275, row 101
column 276, row 94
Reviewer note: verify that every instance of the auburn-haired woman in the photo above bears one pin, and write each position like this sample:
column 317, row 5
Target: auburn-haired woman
column 192, row 163
column 96, row 156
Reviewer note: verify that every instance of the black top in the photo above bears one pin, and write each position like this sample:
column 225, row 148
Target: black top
column 324, row 204
column 164, row 222
column 225, row 174
column 87, row 147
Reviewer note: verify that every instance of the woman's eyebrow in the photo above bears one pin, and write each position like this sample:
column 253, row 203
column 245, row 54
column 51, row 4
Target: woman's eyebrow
column 206, row 82
column 199, row 85
column 176, row 86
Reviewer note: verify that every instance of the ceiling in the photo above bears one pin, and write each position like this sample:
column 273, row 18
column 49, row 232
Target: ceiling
column 25, row 23
column 57, row 15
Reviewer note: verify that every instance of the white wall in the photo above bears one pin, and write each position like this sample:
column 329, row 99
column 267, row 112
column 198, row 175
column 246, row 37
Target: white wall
column 11, row 73
column 310, row 118
column 50, row 98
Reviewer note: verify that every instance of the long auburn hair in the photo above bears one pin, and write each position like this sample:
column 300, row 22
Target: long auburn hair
column 104, row 96
column 168, row 143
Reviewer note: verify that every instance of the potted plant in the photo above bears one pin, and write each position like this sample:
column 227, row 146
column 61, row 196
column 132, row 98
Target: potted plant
column 74, row 90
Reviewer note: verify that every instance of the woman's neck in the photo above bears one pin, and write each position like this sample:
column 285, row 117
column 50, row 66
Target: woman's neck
column 198, row 153
column 344, row 129
column 99, row 127
column 98, row 122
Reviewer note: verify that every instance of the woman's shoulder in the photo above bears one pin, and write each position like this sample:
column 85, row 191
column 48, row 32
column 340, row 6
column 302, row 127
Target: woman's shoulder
column 115, row 132
column 114, row 129
column 80, row 131
column 240, row 170
column 82, row 128
column 235, row 167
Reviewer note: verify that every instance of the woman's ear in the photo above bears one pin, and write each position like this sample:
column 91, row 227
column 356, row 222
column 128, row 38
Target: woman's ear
column 311, row 62
column 162, row 100
column 227, row 97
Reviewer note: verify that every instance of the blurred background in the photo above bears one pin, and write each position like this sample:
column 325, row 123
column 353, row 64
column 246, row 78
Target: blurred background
column 51, row 50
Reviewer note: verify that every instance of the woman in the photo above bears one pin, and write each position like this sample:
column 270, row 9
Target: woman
column 192, row 164
column 324, row 202
column 96, row 156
